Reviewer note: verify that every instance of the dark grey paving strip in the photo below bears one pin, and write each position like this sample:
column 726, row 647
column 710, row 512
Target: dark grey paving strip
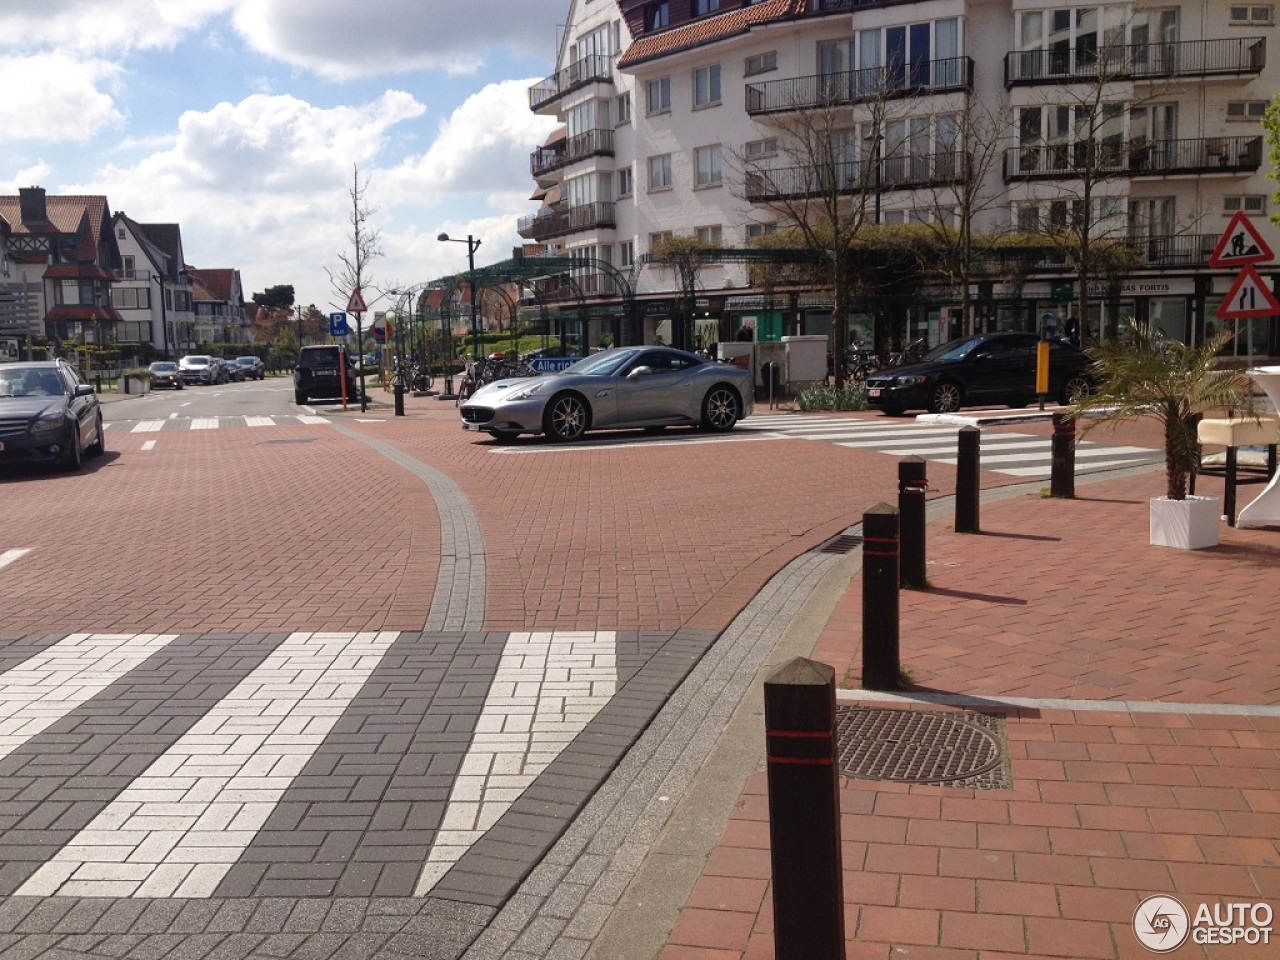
column 55, row 784
column 14, row 651
column 458, row 601
column 492, row 870
column 360, row 818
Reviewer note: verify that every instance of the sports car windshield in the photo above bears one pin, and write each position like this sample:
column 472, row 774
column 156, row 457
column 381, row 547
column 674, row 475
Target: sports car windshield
column 602, row 364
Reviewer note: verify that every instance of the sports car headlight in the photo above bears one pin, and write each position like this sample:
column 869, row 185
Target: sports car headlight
column 524, row 393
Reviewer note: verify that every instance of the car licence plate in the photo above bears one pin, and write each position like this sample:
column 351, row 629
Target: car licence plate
column 873, row 392
column 471, row 426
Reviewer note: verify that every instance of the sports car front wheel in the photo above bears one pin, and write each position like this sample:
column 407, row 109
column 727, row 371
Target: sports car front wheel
column 565, row 418
column 719, row 409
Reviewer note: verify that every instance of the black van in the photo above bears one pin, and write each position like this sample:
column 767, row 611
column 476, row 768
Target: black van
column 316, row 374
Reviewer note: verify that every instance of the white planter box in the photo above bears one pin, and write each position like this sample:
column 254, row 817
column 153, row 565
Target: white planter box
column 1189, row 524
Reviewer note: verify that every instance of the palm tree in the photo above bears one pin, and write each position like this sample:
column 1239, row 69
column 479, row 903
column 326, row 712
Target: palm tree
column 1149, row 376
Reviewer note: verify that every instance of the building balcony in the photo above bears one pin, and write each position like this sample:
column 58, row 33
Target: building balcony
column 896, row 173
column 859, row 86
column 559, row 223
column 592, row 143
column 1234, row 57
column 1134, row 158
column 594, row 69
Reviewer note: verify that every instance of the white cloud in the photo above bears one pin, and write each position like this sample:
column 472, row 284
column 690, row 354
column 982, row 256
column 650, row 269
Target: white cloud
column 33, row 175
column 50, row 98
column 102, row 25
column 341, row 39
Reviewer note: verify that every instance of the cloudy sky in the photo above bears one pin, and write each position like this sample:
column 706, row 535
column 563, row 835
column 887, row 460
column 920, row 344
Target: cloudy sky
column 243, row 121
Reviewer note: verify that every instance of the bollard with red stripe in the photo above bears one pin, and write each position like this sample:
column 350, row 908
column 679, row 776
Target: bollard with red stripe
column 804, row 811
column 880, row 654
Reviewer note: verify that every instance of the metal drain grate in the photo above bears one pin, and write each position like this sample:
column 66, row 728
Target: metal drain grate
column 841, row 544
column 957, row 749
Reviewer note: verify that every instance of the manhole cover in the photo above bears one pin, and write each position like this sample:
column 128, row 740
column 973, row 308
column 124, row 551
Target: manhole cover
column 917, row 746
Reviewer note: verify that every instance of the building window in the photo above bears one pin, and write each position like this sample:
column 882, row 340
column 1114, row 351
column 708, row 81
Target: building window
column 757, row 230
column 626, row 183
column 706, row 86
column 624, row 109
column 120, row 234
column 1250, row 203
column 706, row 164
column 660, row 95
column 711, row 236
column 758, row 149
column 703, row 7
column 660, row 172
column 626, row 253
column 1251, row 14
column 761, row 63
column 657, row 15
column 657, row 238
column 129, row 272
column 1250, row 110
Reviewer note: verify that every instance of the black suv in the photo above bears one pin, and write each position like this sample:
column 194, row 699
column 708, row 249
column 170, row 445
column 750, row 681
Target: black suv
column 316, row 374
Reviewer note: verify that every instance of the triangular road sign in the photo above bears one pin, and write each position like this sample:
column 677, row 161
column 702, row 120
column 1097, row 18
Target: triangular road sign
column 1240, row 244
column 1249, row 296
column 356, row 303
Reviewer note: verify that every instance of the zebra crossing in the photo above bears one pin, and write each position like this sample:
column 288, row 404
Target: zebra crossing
column 1017, row 454
column 209, row 423
column 308, row 764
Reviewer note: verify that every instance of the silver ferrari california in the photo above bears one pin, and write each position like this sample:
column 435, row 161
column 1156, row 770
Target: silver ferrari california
column 626, row 387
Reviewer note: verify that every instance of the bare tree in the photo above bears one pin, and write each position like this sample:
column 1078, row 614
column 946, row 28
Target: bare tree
column 366, row 245
column 832, row 130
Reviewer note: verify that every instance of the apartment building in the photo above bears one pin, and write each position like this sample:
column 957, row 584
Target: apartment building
column 153, row 291
column 1067, row 128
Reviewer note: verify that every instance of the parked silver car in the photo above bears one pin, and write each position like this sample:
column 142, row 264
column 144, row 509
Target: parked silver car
column 650, row 387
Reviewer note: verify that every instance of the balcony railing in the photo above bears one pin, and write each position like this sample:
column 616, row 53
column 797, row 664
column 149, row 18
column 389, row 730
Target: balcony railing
column 587, row 144
column 588, row 216
column 1233, row 57
column 1185, row 250
column 597, row 67
column 896, row 173
column 1136, row 158
column 858, row 86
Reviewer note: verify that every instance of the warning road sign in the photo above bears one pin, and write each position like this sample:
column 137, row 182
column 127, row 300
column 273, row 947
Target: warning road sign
column 1249, row 296
column 1240, row 244
column 356, row 303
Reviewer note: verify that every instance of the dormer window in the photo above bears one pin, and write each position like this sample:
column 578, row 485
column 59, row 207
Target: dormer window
column 657, row 15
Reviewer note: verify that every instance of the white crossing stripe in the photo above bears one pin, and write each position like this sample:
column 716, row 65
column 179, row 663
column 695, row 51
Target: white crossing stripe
column 9, row 556
column 177, row 829
column 304, row 418
column 149, row 445
column 46, row 687
column 148, row 426
column 547, row 688
column 259, row 422
column 204, row 423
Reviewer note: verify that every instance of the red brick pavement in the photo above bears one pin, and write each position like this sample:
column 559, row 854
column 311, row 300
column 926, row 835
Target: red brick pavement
column 1054, row 599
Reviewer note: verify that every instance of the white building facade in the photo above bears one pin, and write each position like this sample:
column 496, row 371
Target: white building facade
column 681, row 118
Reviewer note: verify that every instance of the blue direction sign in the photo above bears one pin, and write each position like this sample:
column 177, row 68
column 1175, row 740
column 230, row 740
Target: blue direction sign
column 337, row 324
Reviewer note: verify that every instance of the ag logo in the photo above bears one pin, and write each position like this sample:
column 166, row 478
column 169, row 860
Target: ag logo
column 1161, row 924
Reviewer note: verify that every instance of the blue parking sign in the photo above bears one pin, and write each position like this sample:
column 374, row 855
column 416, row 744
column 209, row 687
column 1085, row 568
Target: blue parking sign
column 337, row 324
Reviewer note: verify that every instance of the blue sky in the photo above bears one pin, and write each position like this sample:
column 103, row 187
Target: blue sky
column 243, row 120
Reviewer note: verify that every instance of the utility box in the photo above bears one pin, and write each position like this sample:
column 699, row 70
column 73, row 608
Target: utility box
column 806, row 358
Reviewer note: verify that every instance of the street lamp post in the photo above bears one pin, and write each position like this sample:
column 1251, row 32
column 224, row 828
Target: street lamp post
column 472, row 244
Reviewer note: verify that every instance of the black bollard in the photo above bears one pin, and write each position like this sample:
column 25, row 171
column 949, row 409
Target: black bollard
column 968, row 482
column 912, row 487
column 880, row 663
column 804, row 811
column 1062, row 476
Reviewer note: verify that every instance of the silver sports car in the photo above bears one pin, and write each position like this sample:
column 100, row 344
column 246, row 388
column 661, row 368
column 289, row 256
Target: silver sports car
column 651, row 387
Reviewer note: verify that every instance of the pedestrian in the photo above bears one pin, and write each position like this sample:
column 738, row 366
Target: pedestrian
column 1073, row 329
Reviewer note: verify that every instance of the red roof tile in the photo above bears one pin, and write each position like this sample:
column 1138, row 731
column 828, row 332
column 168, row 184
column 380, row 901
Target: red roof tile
column 706, row 30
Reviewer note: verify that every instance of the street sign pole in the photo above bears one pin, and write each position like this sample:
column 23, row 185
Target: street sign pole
column 357, row 306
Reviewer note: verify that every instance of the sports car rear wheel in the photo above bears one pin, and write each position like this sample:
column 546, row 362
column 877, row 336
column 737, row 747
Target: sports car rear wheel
column 566, row 418
column 719, row 409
